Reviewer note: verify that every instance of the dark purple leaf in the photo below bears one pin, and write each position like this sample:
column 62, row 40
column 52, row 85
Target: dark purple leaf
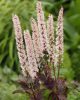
column 49, row 83
column 53, row 96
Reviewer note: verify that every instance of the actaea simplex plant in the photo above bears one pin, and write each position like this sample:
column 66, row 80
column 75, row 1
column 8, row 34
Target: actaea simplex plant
column 41, row 57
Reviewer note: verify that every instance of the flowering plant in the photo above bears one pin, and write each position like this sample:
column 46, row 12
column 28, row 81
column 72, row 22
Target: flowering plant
column 41, row 56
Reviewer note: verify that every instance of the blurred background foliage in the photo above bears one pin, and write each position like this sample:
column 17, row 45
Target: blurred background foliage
column 25, row 9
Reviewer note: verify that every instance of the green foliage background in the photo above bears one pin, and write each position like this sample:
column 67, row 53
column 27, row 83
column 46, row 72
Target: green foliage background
column 9, row 65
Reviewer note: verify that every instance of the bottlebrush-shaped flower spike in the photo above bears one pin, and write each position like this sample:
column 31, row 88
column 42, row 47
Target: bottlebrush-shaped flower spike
column 36, row 39
column 50, row 32
column 19, row 43
column 42, row 27
column 59, row 40
column 30, row 53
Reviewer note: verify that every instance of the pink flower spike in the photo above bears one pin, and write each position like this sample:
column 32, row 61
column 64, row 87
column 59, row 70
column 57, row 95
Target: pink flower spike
column 42, row 27
column 50, row 32
column 36, row 39
column 19, row 44
column 59, row 40
column 30, row 53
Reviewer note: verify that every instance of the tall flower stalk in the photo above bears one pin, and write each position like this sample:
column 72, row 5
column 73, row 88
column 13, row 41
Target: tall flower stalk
column 42, row 27
column 50, row 33
column 41, row 52
column 19, row 43
column 36, row 39
column 59, row 42
column 30, row 53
